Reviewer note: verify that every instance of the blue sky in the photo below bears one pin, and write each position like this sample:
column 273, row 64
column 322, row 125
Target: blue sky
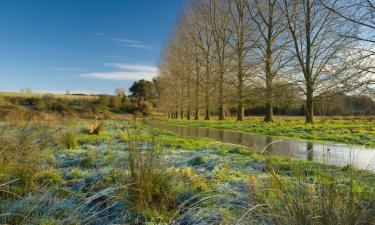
column 90, row 46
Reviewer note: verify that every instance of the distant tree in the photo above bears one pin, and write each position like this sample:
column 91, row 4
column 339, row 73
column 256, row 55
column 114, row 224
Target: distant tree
column 362, row 104
column 120, row 91
column 67, row 92
column 142, row 89
column 27, row 90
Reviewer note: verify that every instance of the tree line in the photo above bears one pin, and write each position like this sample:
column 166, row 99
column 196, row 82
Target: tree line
column 225, row 53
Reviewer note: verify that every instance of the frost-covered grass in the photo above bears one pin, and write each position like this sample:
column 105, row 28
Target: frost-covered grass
column 132, row 173
column 351, row 130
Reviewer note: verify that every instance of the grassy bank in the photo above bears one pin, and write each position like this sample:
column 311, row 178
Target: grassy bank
column 105, row 172
column 353, row 130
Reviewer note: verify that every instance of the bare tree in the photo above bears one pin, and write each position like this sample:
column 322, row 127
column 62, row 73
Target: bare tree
column 204, row 41
column 270, row 24
column 195, row 52
column 240, row 39
column 319, row 39
column 219, row 22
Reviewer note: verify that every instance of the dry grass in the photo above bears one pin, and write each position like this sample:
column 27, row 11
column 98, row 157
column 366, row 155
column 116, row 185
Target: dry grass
column 95, row 127
column 301, row 200
column 152, row 186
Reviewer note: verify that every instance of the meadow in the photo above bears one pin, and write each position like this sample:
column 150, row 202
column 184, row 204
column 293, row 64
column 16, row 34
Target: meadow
column 79, row 171
column 349, row 130
column 40, row 95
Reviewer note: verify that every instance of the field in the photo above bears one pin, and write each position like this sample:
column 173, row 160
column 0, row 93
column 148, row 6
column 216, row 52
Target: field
column 66, row 171
column 39, row 95
column 349, row 130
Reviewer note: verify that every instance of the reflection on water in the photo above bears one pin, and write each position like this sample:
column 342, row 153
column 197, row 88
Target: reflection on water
column 330, row 153
column 310, row 151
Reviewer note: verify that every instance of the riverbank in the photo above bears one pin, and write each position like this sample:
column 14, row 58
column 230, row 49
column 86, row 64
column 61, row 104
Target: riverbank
column 354, row 130
column 105, row 172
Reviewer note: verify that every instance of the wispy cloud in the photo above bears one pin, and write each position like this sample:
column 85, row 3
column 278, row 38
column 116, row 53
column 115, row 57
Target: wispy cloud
column 125, row 71
column 133, row 43
column 124, row 40
column 72, row 69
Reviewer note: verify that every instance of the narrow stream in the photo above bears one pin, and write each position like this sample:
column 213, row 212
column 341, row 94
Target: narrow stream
column 328, row 153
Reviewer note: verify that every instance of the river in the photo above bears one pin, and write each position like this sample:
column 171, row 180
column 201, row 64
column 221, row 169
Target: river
column 323, row 152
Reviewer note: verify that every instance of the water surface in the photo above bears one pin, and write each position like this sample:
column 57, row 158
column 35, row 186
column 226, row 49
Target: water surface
column 323, row 152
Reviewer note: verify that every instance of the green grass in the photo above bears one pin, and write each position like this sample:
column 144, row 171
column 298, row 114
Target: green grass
column 134, row 171
column 359, row 131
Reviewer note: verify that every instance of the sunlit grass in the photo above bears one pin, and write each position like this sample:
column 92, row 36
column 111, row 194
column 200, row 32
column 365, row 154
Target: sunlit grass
column 352, row 130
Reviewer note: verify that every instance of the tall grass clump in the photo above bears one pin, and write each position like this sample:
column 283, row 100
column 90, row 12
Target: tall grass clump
column 152, row 192
column 69, row 139
column 312, row 197
column 96, row 127
column 21, row 150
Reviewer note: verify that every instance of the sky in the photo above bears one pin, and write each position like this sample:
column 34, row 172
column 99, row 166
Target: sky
column 85, row 46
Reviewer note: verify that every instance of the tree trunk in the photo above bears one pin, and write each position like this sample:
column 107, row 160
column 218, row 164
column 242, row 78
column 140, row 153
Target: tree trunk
column 221, row 96
column 196, row 117
column 268, row 114
column 197, row 83
column 240, row 107
column 207, row 114
column 207, row 99
column 182, row 114
column 188, row 100
column 240, row 112
column 309, row 106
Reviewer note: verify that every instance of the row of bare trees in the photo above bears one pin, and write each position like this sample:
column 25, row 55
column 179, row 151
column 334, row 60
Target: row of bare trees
column 222, row 48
